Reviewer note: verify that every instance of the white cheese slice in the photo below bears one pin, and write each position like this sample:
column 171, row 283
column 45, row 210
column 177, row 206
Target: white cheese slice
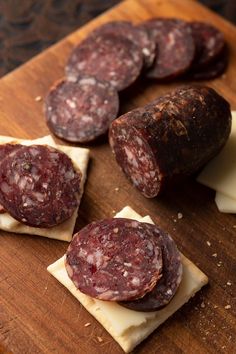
column 225, row 204
column 129, row 327
column 63, row 231
column 220, row 173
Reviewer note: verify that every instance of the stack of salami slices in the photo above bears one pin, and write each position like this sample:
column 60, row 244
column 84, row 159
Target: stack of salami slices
column 81, row 107
column 39, row 186
column 123, row 260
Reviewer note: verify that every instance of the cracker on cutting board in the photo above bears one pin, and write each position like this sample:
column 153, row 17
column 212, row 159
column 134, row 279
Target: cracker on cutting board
column 63, row 231
column 128, row 327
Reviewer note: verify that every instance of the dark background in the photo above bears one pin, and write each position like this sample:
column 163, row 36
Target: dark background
column 29, row 26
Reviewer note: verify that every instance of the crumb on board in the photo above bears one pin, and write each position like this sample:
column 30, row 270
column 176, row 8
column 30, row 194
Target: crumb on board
column 180, row 216
column 100, row 340
column 227, row 307
column 203, row 305
column 208, row 243
column 214, row 255
column 87, row 324
column 117, row 189
column 38, row 98
column 229, row 283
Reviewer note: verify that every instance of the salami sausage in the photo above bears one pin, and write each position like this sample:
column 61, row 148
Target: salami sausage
column 136, row 34
column 81, row 111
column 209, row 42
column 38, row 185
column 115, row 259
column 175, row 47
column 107, row 57
column 171, row 138
column 168, row 285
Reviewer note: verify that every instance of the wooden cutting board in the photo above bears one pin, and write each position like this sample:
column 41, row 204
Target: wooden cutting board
column 38, row 315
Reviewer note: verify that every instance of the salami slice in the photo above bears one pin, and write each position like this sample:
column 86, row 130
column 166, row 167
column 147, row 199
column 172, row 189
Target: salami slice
column 5, row 149
column 209, row 43
column 175, row 47
column 107, row 57
column 212, row 70
column 136, row 34
column 115, row 259
column 171, row 138
column 169, row 283
column 81, row 111
column 38, row 185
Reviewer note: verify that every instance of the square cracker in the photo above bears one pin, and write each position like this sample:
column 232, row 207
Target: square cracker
column 63, row 231
column 129, row 327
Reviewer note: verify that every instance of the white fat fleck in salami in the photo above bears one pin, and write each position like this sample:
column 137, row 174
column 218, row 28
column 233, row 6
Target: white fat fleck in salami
column 135, row 34
column 81, row 111
column 107, row 57
column 39, row 185
column 121, row 260
column 175, row 47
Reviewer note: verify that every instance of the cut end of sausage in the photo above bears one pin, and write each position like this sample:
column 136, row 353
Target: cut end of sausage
column 135, row 157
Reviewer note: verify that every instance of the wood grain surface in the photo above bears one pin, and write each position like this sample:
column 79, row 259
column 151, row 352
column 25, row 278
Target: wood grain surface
column 38, row 315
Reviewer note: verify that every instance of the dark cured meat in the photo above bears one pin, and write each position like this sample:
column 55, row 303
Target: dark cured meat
column 166, row 288
column 135, row 34
column 115, row 259
column 213, row 70
column 81, row 111
column 209, row 42
column 4, row 150
column 175, row 47
column 108, row 58
column 38, row 185
column 171, row 138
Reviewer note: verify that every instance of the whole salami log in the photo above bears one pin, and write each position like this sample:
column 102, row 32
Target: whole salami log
column 81, row 111
column 209, row 42
column 171, row 138
column 175, row 47
column 38, row 185
column 115, row 259
column 168, row 285
column 107, row 57
column 136, row 34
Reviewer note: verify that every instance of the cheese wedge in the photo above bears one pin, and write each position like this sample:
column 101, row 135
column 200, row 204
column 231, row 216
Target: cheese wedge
column 63, row 231
column 220, row 173
column 225, row 204
column 129, row 327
